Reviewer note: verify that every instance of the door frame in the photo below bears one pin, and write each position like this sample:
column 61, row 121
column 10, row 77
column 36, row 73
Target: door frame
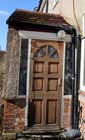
column 42, row 36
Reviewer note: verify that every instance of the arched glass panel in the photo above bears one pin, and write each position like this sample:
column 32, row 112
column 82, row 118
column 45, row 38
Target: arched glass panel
column 54, row 55
column 50, row 50
column 46, row 50
column 41, row 52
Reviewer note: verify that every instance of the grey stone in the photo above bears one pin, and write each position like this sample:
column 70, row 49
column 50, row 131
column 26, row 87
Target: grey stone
column 12, row 65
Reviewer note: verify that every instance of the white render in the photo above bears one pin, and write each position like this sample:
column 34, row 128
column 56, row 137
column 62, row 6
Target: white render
column 71, row 10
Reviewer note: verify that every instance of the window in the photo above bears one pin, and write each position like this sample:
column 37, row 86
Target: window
column 23, row 67
column 47, row 50
column 82, row 73
column 68, row 70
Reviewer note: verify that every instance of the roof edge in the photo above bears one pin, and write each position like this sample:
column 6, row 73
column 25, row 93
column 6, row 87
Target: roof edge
column 35, row 12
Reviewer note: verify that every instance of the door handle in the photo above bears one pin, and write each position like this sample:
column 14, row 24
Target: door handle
column 59, row 81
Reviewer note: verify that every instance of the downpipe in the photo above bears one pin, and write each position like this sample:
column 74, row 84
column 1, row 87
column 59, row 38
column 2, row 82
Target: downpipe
column 75, row 79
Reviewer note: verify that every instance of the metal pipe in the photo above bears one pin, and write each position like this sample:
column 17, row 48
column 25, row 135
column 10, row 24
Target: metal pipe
column 75, row 84
column 73, row 80
column 77, row 104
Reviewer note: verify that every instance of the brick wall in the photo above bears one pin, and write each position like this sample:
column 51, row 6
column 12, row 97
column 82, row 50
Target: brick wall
column 82, row 125
column 14, row 114
column 82, row 115
column 67, row 111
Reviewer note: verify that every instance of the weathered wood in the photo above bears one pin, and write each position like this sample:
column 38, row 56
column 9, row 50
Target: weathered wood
column 45, row 90
column 12, row 65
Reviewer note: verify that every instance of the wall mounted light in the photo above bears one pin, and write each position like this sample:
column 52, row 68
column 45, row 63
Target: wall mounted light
column 61, row 34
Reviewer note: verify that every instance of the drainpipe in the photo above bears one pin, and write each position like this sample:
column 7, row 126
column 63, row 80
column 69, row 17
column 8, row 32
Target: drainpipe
column 73, row 80
column 76, row 49
column 78, row 56
column 75, row 76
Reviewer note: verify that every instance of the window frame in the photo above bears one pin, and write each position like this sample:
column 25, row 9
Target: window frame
column 47, row 52
column 82, row 86
column 22, row 95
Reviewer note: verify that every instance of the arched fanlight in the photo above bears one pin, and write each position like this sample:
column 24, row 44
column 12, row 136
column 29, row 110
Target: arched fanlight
column 46, row 50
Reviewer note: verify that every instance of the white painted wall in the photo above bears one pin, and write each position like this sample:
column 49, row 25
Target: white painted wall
column 65, row 9
column 43, row 6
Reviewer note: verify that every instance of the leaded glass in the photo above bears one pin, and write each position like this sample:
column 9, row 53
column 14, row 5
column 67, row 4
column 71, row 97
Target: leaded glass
column 46, row 50
column 68, row 70
column 23, row 67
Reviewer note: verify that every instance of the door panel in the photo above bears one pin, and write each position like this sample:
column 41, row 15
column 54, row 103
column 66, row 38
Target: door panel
column 51, row 111
column 37, row 84
column 45, row 88
column 38, row 67
column 52, row 84
column 53, row 68
column 37, row 111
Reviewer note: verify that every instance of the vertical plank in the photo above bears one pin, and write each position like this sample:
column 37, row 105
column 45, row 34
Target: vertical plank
column 51, row 111
column 38, row 67
column 52, row 84
column 53, row 68
column 38, row 84
column 37, row 111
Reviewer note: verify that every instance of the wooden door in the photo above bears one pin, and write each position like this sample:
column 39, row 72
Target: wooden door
column 45, row 84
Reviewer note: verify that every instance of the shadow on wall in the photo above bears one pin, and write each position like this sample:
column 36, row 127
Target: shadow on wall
column 21, row 103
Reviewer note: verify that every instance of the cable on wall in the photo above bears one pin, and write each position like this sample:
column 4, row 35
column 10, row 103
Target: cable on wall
column 74, row 13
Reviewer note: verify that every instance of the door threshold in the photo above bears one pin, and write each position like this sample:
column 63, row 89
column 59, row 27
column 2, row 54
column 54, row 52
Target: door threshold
column 43, row 130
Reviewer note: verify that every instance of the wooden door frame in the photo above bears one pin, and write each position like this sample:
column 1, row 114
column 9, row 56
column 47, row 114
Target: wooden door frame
column 42, row 36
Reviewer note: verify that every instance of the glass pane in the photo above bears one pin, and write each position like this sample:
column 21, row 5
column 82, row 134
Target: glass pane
column 40, row 52
column 84, row 69
column 68, row 70
column 43, row 49
column 46, row 50
column 23, row 67
column 54, row 55
column 50, row 50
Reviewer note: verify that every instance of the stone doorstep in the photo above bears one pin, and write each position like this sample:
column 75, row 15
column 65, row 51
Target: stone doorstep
column 12, row 136
column 36, row 136
column 8, row 136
